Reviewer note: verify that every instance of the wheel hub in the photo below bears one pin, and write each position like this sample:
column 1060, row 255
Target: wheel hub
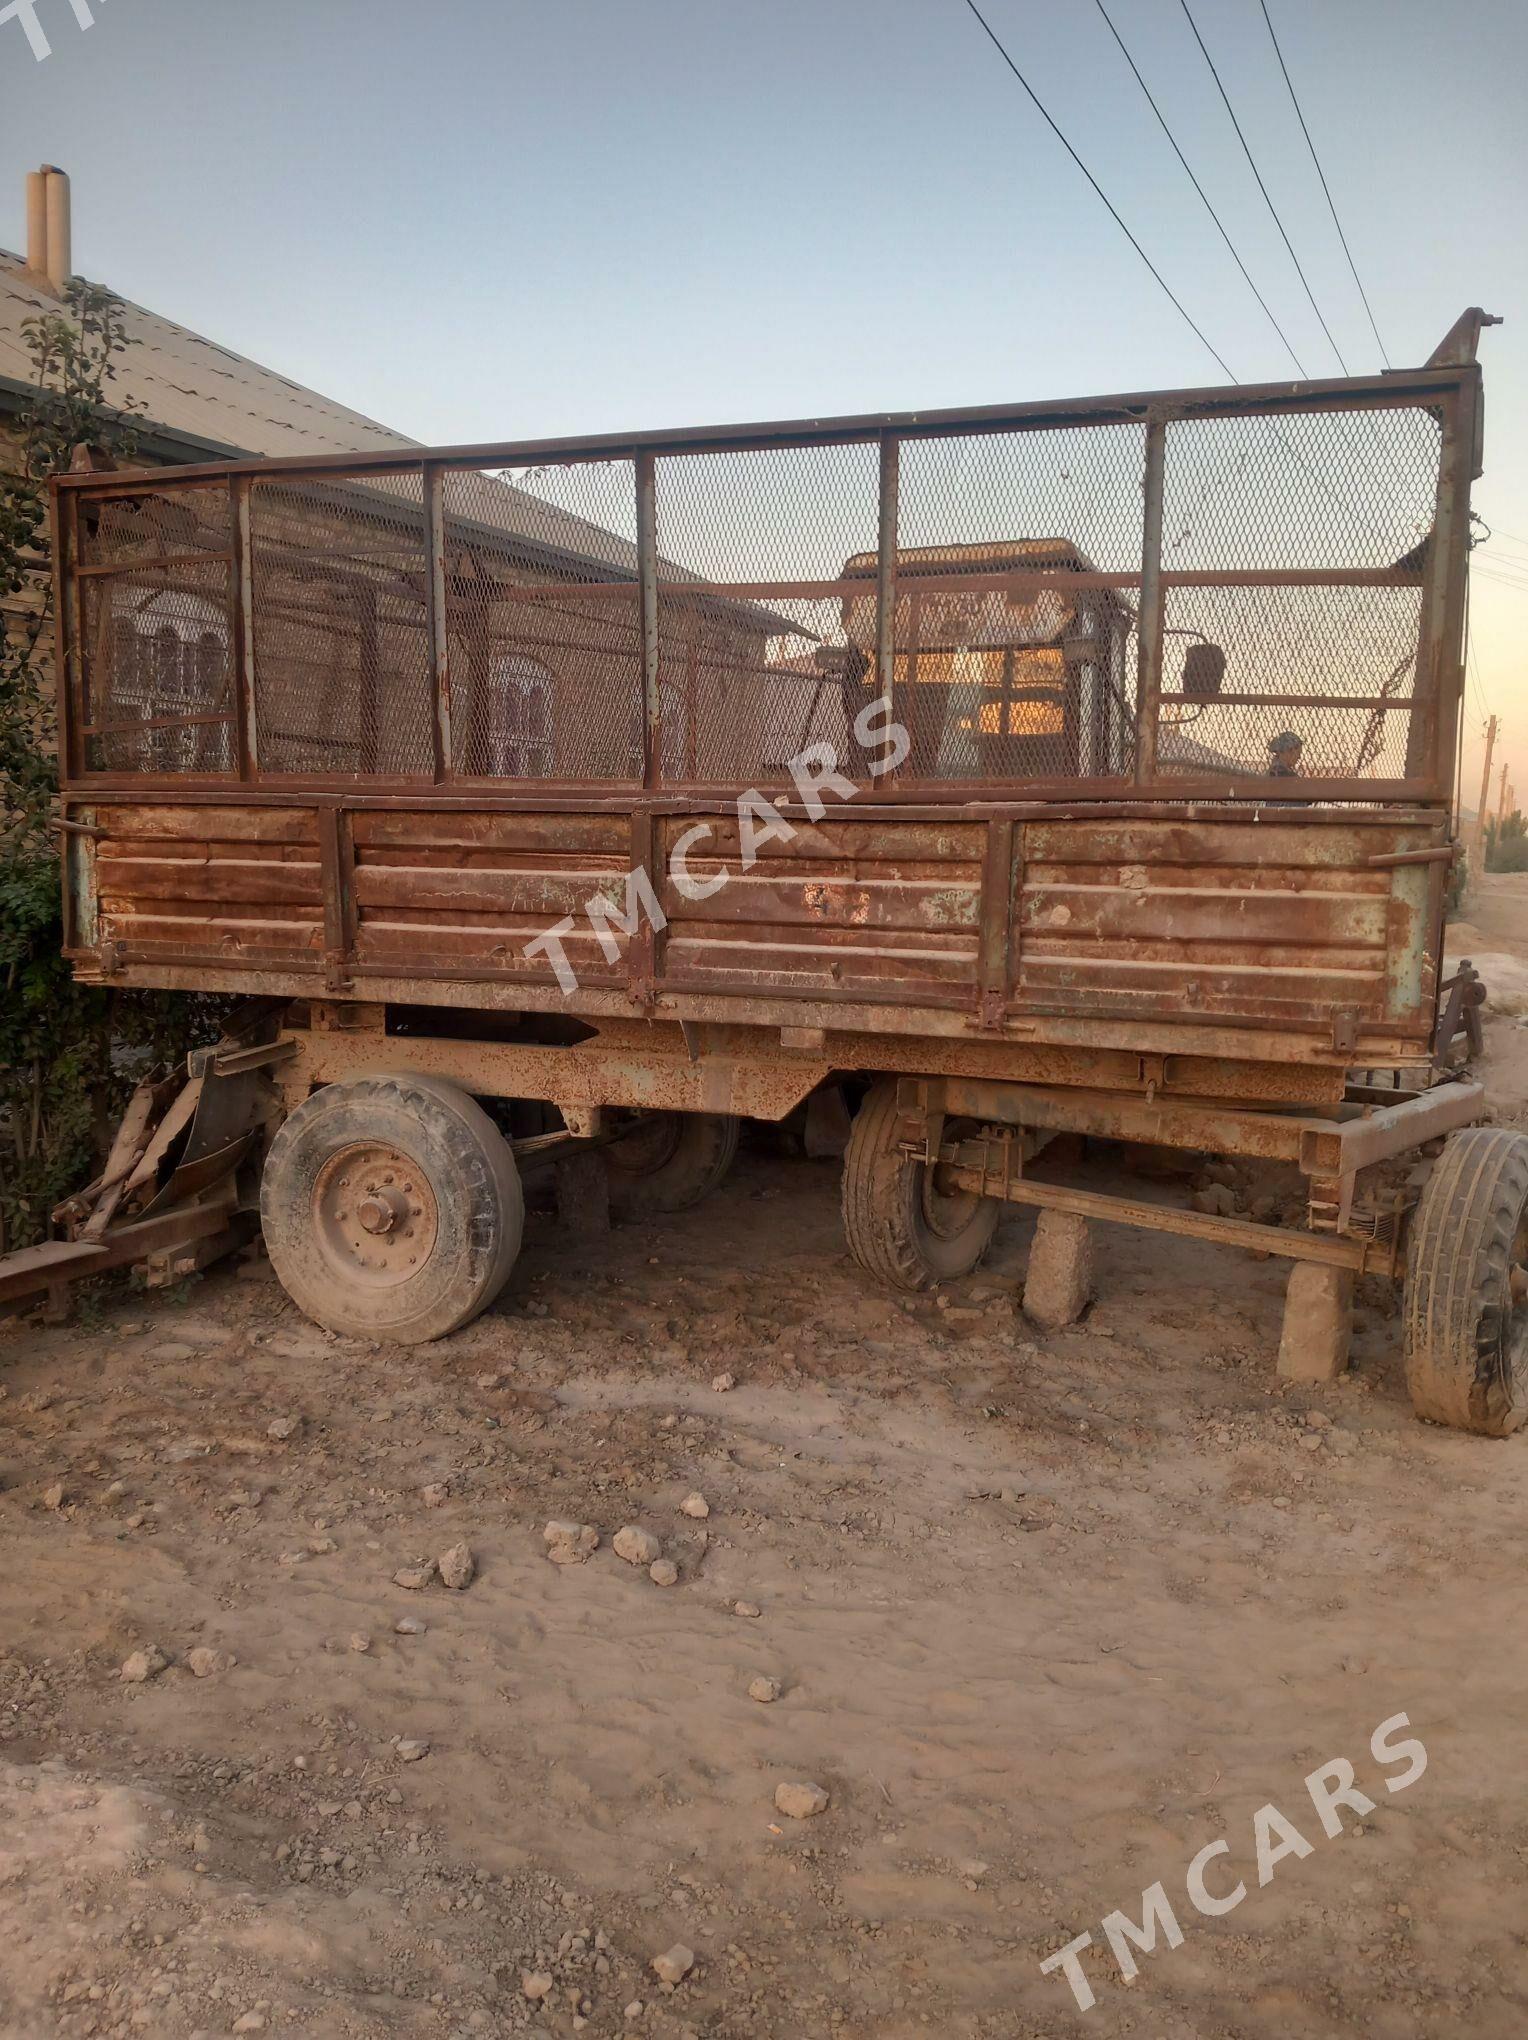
column 947, row 1212
column 380, row 1210
column 374, row 1214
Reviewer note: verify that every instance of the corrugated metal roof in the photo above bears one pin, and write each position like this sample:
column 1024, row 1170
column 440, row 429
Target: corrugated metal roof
column 190, row 384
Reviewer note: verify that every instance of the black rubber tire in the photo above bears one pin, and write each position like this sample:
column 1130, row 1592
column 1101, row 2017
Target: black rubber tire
column 470, row 1169
column 699, row 1149
column 886, row 1223
column 1466, row 1340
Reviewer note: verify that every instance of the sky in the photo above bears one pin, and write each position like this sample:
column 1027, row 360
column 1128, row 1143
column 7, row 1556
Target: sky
column 495, row 219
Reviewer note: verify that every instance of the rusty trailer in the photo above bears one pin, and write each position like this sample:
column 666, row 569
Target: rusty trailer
column 1040, row 768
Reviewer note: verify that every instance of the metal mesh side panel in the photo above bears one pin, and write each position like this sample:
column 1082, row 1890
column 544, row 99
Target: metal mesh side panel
column 1306, row 489
column 999, row 687
column 1079, row 486
column 159, row 682
column 543, row 624
column 172, row 521
column 1327, row 644
column 745, row 685
column 341, row 640
column 996, row 679
column 747, row 681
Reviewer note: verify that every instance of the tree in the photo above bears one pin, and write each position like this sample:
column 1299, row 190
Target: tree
column 68, row 1053
column 1507, row 842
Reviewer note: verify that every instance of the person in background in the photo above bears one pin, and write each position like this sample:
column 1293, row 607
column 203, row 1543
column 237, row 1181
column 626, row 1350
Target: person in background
column 1284, row 755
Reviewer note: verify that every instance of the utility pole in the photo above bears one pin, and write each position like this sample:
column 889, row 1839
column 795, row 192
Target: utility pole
column 1501, row 799
column 1477, row 843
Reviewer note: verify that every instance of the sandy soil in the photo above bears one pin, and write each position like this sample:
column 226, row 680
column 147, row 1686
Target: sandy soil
column 1048, row 1614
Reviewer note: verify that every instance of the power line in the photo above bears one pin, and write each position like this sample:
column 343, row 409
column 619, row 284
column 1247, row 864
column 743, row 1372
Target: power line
column 1262, row 187
column 1215, row 216
column 1135, row 244
column 1330, row 203
column 1502, row 580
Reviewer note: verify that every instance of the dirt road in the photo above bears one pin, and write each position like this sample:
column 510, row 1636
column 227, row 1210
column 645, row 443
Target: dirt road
column 1047, row 1615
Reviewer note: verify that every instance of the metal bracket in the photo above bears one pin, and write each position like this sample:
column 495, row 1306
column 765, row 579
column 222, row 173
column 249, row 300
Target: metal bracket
column 231, row 1061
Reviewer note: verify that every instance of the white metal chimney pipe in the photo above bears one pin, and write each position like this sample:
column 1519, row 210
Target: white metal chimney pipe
column 37, row 221
column 60, row 263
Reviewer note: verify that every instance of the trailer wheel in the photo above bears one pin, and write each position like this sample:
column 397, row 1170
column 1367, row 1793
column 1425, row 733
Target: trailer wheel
column 391, row 1208
column 669, row 1161
column 1466, row 1311
column 897, row 1221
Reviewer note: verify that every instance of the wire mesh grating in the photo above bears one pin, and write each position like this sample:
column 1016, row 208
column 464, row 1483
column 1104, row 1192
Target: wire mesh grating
column 156, row 634
column 339, row 603
column 1298, row 576
column 542, row 622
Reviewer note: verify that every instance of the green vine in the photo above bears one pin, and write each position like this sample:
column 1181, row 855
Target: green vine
column 68, row 1053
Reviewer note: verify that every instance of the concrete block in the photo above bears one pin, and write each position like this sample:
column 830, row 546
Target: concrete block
column 1318, row 1322
column 1059, row 1285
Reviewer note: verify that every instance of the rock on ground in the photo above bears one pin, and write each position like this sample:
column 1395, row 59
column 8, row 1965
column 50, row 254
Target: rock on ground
column 569, row 1543
column 457, row 1567
column 205, row 1662
column 674, row 1964
column 801, row 1800
column 636, row 1545
column 146, row 1663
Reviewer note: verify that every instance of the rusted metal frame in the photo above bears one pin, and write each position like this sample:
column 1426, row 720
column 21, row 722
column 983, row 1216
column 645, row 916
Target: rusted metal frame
column 580, row 1075
column 100, row 569
column 910, row 581
column 972, row 1172
column 1151, row 619
column 886, row 540
column 1387, row 701
column 646, row 475
column 1199, row 800
column 1423, row 749
column 1400, row 391
column 996, row 925
column 644, row 944
column 336, row 860
column 1324, row 1147
column 432, row 483
column 1157, row 1121
column 241, row 607
column 71, row 705
column 1389, row 1131
column 1394, row 860
column 911, row 1031
column 1451, row 541
column 160, row 722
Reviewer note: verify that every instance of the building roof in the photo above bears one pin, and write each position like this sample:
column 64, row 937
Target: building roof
column 193, row 398
column 194, row 388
